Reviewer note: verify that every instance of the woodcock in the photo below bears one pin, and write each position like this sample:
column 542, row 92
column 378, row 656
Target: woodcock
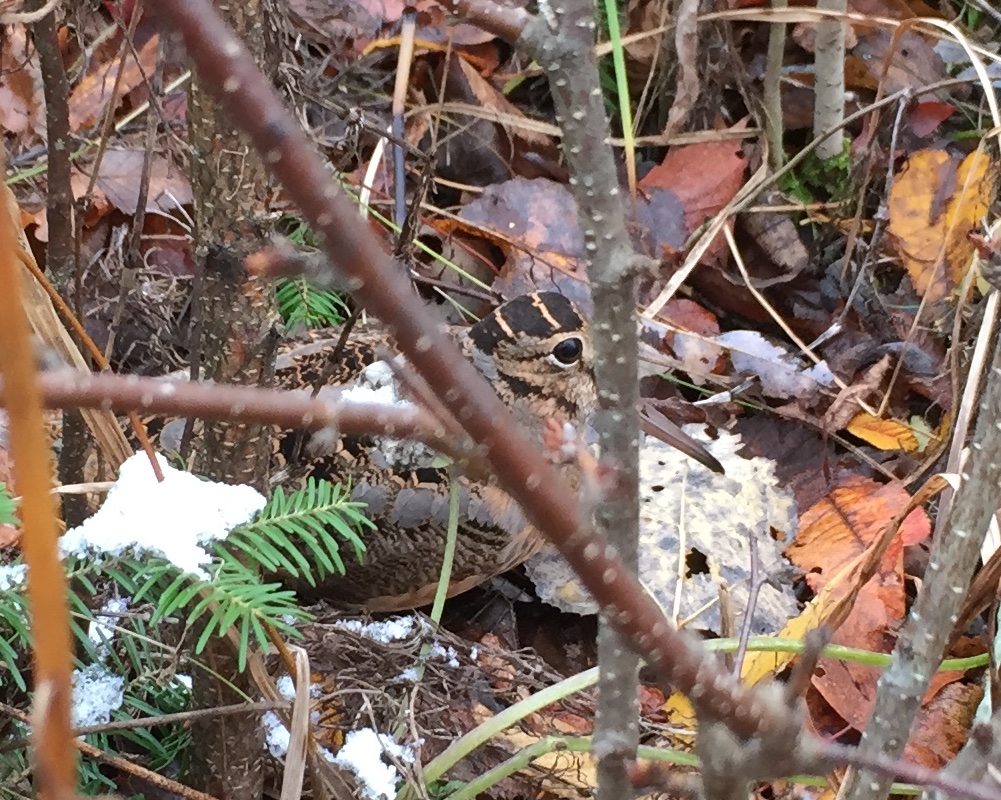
column 536, row 352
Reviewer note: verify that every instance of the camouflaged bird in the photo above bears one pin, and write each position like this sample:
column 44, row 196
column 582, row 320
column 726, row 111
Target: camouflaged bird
column 536, row 353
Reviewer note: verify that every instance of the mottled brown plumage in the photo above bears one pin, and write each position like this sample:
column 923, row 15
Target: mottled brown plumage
column 536, row 353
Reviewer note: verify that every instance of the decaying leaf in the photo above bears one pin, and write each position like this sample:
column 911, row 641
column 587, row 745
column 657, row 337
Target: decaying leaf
column 695, row 527
column 935, row 202
column 89, row 99
column 844, row 540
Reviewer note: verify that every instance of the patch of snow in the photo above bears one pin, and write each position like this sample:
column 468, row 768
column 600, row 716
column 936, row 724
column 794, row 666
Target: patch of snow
column 449, row 654
column 12, row 577
column 409, row 675
column 96, row 693
column 102, row 629
column 173, row 519
column 374, row 384
column 276, row 734
column 390, row 630
column 286, row 687
column 362, row 754
column 377, row 384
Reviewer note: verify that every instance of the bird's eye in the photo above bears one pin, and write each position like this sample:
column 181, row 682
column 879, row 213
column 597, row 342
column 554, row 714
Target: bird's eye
column 568, row 352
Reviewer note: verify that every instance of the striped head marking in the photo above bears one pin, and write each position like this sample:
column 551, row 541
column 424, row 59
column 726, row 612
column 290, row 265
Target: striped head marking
column 536, row 349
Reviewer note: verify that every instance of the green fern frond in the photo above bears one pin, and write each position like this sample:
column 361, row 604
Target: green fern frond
column 303, row 305
column 294, row 532
column 15, row 635
column 8, row 505
column 234, row 597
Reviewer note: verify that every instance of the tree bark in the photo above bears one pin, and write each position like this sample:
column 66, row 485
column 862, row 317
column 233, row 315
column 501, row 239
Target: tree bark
column 234, row 342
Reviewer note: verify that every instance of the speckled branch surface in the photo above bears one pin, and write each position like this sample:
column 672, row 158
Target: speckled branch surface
column 294, row 410
column 560, row 36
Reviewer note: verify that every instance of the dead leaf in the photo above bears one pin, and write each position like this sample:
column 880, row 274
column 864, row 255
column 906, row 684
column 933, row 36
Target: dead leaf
column 883, row 434
column 494, row 101
column 703, row 176
column 841, row 526
column 89, row 99
column 778, row 238
column 943, row 725
column 935, row 202
column 534, row 223
column 779, row 371
column 839, row 539
column 692, row 338
column 914, row 63
column 575, row 769
column 118, row 181
column 20, row 84
column 681, row 717
column 925, row 118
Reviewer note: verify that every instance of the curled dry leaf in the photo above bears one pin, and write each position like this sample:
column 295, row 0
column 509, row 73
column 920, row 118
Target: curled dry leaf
column 534, row 223
column 691, row 336
column 779, row 370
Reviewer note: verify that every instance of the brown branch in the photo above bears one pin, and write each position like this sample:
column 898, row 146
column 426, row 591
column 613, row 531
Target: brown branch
column 58, row 194
column 47, row 589
column 521, row 470
column 59, row 252
column 72, row 389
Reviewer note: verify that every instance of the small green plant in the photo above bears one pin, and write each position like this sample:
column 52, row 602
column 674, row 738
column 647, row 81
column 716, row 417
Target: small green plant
column 301, row 304
column 818, row 180
column 298, row 534
column 8, row 505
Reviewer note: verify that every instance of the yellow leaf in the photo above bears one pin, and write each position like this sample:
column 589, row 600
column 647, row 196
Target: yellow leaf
column 886, row 434
column 682, row 716
column 934, row 203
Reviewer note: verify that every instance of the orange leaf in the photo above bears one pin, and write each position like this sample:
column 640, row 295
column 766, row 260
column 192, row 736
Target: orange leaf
column 842, row 525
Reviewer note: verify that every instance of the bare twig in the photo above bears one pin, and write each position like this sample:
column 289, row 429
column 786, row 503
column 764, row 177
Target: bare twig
column 71, row 389
column 979, row 759
column 59, row 255
column 47, row 590
column 772, row 91
column 829, row 94
column 123, row 764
